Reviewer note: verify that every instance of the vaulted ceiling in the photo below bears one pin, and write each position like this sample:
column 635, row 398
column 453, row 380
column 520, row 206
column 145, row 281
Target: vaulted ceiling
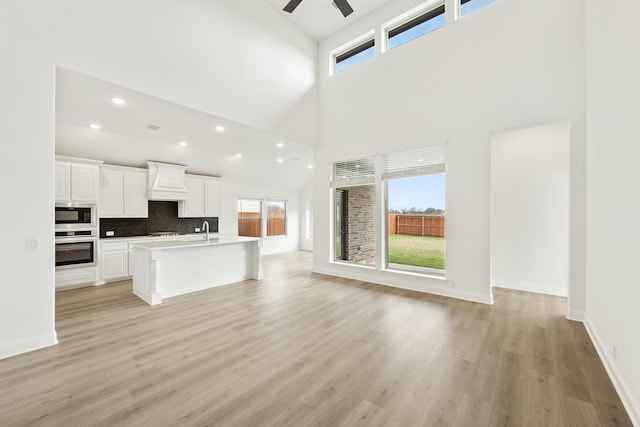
column 245, row 63
column 319, row 18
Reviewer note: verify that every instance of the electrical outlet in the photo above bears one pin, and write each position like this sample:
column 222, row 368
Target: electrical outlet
column 111, row 233
column 614, row 352
column 197, row 229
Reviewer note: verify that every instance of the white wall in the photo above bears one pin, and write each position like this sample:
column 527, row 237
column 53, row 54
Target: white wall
column 26, row 144
column 306, row 217
column 494, row 69
column 228, row 221
column 613, row 179
column 179, row 51
column 530, row 208
column 241, row 60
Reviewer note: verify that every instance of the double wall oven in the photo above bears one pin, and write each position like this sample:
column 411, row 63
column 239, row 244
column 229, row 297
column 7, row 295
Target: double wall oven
column 76, row 235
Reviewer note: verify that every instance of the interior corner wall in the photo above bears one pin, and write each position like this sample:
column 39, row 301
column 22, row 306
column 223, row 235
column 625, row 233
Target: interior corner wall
column 613, row 208
column 491, row 70
column 530, row 208
column 306, row 217
column 26, row 144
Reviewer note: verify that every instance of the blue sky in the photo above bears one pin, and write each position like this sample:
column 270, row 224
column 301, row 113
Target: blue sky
column 415, row 32
column 420, row 192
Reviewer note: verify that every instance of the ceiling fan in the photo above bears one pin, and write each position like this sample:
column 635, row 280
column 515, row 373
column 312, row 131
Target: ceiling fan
column 343, row 5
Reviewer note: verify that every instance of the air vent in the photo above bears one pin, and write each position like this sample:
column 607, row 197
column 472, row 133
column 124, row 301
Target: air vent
column 153, row 127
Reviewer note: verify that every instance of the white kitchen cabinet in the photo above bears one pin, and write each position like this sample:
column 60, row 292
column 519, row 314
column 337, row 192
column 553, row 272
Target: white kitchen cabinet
column 123, row 192
column 114, row 265
column 76, row 277
column 63, row 181
column 77, row 180
column 203, row 198
column 114, row 260
column 111, row 193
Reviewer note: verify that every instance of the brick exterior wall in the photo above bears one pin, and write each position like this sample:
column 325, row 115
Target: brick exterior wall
column 361, row 244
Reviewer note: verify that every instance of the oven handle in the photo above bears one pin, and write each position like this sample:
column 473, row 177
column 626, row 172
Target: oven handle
column 75, row 239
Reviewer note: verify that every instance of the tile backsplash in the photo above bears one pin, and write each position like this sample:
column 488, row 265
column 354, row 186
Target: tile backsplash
column 163, row 216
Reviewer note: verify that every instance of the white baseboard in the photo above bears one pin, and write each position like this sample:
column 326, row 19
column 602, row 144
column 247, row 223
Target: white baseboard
column 629, row 401
column 575, row 315
column 399, row 280
column 27, row 345
column 278, row 250
column 531, row 287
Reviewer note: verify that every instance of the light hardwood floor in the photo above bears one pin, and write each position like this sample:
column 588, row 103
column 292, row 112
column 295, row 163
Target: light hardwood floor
column 302, row 349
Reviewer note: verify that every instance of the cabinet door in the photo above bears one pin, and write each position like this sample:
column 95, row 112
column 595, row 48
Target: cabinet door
column 114, row 264
column 194, row 205
column 84, row 183
column 212, row 198
column 63, row 184
column 111, row 186
column 135, row 195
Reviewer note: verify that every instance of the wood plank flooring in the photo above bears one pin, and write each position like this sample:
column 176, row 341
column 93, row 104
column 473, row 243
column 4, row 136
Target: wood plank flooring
column 303, row 349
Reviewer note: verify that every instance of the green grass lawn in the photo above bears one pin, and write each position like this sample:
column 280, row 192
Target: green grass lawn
column 417, row 250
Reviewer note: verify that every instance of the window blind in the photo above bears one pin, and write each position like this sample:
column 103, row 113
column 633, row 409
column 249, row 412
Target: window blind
column 353, row 172
column 423, row 161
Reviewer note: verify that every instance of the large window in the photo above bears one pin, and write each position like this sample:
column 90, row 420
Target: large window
column 470, row 6
column 416, row 24
column 354, row 211
column 412, row 229
column 249, row 217
column 276, row 218
column 251, row 211
column 415, row 194
column 353, row 53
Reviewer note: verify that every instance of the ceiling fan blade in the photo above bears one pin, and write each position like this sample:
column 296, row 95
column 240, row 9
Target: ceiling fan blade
column 344, row 7
column 291, row 6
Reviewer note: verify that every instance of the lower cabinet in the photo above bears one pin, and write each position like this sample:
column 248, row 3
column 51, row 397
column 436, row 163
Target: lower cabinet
column 76, row 277
column 114, row 260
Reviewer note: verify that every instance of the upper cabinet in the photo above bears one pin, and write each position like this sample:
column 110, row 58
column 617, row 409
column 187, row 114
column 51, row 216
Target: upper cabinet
column 203, row 197
column 77, row 180
column 123, row 192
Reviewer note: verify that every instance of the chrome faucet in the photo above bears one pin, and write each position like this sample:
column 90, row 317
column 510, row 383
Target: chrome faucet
column 205, row 225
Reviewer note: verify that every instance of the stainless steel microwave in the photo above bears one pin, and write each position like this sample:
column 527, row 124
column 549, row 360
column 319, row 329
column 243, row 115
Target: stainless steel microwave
column 75, row 215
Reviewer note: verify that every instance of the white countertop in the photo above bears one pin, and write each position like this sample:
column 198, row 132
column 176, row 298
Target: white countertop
column 186, row 243
column 157, row 238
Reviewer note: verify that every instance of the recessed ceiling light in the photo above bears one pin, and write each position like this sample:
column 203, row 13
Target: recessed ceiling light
column 220, row 128
column 118, row 101
column 239, row 155
column 280, row 145
column 310, row 166
column 182, row 143
column 95, row 126
column 280, row 160
column 420, row 160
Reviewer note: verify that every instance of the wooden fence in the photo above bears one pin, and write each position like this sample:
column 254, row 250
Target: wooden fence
column 417, row 225
column 249, row 224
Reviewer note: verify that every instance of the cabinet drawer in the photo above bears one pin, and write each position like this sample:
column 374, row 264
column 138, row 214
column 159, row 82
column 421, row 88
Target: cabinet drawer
column 113, row 246
column 75, row 276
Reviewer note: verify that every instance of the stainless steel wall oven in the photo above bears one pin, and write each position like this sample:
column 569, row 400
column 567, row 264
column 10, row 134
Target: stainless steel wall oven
column 76, row 249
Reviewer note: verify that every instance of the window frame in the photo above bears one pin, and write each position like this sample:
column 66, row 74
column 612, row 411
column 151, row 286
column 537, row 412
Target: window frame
column 266, row 215
column 411, row 19
column 351, row 49
column 459, row 4
column 260, row 211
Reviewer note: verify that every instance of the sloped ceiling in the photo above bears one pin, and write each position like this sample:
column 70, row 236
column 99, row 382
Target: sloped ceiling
column 241, row 60
column 319, row 18
column 124, row 138
column 185, row 65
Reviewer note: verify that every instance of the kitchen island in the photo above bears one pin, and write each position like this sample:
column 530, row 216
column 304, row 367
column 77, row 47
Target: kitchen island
column 168, row 268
